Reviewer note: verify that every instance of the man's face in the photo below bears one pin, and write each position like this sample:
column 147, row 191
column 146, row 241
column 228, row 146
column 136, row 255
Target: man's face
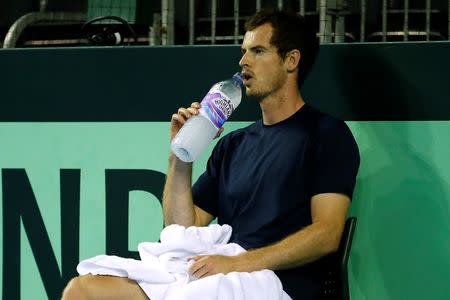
column 262, row 68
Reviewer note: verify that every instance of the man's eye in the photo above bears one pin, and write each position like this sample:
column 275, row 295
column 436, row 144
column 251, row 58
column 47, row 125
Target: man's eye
column 259, row 51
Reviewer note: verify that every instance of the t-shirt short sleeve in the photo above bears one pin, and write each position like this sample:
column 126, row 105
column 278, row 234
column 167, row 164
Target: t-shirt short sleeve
column 335, row 160
column 205, row 189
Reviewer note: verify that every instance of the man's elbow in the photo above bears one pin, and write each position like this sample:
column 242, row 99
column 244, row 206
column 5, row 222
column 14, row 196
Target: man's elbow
column 179, row 220
column 333, row 246
column 331, row 242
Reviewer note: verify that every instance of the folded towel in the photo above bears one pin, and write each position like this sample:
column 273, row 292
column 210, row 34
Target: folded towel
column 162, row 272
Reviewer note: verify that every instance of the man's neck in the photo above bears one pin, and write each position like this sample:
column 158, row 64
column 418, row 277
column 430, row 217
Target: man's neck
column 280, row 105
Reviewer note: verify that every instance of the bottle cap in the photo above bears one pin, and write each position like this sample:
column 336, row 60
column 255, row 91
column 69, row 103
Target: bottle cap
column 238, row 78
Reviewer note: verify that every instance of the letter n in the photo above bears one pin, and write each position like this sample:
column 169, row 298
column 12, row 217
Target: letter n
column 19, row 204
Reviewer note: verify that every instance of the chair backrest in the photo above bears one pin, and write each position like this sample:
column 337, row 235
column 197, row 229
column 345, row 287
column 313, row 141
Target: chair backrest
column 336, row 285
column 344, row 254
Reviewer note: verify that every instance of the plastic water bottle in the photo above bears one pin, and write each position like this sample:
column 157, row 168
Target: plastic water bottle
column 199, row 130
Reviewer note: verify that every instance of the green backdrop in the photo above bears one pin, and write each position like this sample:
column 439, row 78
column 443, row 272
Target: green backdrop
column 84, row 147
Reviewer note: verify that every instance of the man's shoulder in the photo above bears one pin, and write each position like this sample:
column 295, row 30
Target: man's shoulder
column 326, row 123
column 328, row 129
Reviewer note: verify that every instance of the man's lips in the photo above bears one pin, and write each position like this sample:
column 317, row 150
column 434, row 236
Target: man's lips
column 247, row 76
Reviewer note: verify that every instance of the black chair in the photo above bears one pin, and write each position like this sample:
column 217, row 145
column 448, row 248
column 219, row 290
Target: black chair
column 336, row 285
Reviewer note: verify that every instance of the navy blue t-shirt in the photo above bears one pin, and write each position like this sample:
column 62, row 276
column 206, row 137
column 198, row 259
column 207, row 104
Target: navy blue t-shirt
column 260, row 180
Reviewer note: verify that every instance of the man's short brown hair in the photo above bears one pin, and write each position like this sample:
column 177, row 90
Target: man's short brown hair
column 290, row 31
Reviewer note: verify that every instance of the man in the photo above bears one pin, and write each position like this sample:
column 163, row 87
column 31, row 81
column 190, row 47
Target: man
column 284, row 183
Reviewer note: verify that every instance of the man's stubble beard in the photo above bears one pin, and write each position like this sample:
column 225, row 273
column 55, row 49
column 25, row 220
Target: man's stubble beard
column 259, row 96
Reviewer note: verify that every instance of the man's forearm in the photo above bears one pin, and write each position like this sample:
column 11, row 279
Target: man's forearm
column 301, row 247
column 178, row 206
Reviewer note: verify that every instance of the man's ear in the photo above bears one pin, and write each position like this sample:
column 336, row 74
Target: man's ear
column 292, row 60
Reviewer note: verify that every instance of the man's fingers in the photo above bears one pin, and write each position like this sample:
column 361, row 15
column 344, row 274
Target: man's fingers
column 193, row 110
column 195, row 105
column 184, row 112
column 195, row 266
column 178, row 118
column 194, row 269
column 201, row 272
column 200, row 269
column 219, row 132
column 181, row 116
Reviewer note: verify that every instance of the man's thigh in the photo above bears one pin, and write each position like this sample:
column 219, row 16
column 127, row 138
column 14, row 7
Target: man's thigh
column 104, row 287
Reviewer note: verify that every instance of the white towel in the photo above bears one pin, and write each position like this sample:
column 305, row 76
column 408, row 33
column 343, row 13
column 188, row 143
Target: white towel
column 162, row 272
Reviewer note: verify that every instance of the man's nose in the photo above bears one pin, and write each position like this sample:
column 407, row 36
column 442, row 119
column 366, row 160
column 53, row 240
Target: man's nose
column 243, row 61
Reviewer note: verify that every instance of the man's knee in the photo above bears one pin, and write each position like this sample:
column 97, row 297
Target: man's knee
column 76, row 288
column 102, row 287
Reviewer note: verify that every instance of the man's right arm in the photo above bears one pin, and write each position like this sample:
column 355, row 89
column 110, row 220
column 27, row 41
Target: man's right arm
column 178, row 204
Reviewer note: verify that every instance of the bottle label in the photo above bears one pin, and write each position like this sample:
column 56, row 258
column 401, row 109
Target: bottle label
column 217, row 107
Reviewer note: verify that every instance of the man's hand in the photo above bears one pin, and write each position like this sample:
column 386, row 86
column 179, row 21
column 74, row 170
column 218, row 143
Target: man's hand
column 213, row 264
column 182, row 116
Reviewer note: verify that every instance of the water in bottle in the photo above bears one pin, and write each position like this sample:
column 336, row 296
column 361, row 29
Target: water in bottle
column 216, row 107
